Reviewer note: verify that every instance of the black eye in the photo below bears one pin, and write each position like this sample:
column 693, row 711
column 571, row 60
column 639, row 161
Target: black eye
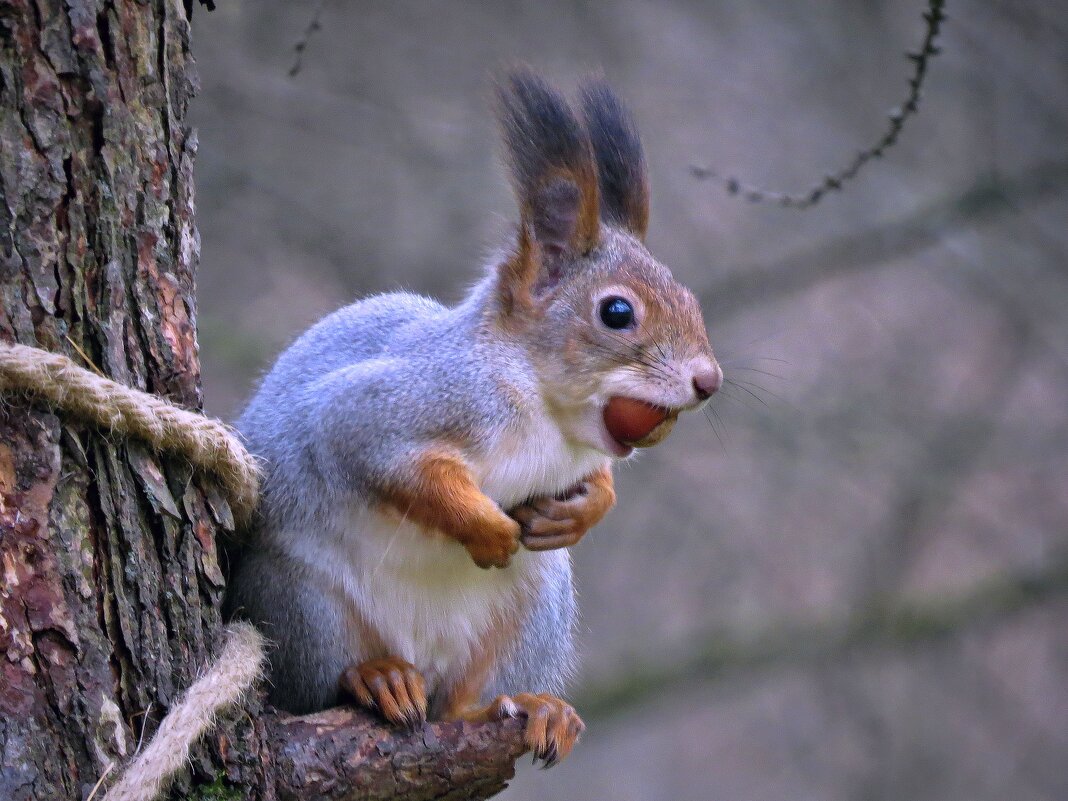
column 616, row 312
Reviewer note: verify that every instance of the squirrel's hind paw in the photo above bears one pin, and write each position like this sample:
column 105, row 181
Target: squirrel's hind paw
column 392, row 687
column 552, row 725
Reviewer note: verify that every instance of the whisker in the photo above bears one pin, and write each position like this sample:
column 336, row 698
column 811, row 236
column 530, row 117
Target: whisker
column 733, row 361
column 772, row 393
column 624, row 358
column 726, row 395
column 712, row 417
column 654, row 341
column 634, row 356
column 757, row 340
column 756, row 397
column 638, row 347
column 642, row 371
column 762, row 372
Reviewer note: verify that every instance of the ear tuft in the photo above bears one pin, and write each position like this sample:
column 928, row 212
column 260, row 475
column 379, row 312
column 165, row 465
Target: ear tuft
column 552, row 164
column 624, row 182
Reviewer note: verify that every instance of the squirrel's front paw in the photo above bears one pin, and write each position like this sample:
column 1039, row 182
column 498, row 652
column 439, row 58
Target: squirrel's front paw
column 558, row 522
column 493, row 542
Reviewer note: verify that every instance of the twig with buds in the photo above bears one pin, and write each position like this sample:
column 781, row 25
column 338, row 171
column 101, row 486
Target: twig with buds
column 302, row 43
column 934, row 17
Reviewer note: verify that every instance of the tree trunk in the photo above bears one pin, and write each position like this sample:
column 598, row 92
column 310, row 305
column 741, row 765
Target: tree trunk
column 110, row 582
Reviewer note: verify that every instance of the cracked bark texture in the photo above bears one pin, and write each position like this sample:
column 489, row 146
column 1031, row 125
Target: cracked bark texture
column 110, row 581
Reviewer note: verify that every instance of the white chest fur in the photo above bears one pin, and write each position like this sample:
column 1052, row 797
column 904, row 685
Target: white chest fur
column 533, row 458
column 425, row 596
column 421, row 592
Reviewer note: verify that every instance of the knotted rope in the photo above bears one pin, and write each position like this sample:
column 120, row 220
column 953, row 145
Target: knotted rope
column 209, row 445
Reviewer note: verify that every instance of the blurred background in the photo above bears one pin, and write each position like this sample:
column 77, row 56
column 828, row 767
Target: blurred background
column 848, row 583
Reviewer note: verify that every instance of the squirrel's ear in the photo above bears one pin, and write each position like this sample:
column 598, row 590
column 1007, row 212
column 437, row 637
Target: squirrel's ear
column 554, row 173
column 623, row 179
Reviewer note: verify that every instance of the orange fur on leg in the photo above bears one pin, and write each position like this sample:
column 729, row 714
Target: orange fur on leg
column 462, row 693
column 552, row 726
column 442, row 495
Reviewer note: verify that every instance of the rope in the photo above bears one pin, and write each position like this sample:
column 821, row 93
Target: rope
column 208, row 444
column 238, row 665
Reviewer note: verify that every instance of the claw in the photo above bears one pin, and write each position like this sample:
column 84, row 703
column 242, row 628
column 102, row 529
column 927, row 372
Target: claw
column 392, row 687
column 552, row 726
column 551, row 522
column 550, row 758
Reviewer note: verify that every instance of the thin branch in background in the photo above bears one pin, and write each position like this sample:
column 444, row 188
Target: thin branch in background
column 756, row 285
column 302, row 43
column 934, row 16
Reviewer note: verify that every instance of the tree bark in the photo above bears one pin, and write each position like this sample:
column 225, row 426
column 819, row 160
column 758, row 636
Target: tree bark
column 110, row 581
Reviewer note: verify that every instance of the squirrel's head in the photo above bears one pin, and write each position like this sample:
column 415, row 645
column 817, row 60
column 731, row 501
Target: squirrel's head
column 619, row 345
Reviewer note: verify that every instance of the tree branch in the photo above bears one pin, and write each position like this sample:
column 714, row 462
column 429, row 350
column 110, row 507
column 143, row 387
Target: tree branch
column 988, row 198
column 934, row 16
column 343, row 755
column 314, row 25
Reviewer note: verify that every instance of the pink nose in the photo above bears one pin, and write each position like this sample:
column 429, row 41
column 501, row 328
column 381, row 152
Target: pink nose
column 707, row 382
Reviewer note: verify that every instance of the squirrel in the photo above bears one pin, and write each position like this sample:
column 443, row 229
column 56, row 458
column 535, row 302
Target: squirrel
column 427, row 467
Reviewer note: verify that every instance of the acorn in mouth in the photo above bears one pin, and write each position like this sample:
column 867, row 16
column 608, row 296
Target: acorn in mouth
column 637, row 424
